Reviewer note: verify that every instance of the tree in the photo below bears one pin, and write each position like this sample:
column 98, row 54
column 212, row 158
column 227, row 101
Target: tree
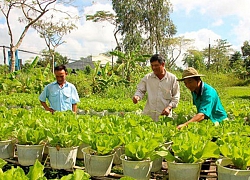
column 246, row 54
column 32, row 11
column 219, row 53
column 137, row 21
column 129, row 61
column 100, row 16
column 59, row 59
column 144, row 23
column 236, row 61
column 172, row 49
column 52, row 31
column 195, row 59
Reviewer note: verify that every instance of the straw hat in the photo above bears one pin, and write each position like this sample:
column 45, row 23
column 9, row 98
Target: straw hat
column 190, row 72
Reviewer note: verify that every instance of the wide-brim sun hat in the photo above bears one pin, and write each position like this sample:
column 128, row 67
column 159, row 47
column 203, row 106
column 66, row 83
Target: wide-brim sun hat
column 188, row 73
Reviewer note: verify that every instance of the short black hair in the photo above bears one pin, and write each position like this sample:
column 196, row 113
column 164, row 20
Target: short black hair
column 61, row 67
column 157, row 57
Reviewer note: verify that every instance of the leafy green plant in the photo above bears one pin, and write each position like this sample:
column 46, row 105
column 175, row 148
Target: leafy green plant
column 6, row 132
column 62, row 130
column 35, row 172
column 29, row 136
column 2, row 164
column 141, row 150
column 236, row 148
column 129, row 61
column 59, row 137
column 188, row 147
column 77, row 174
column 102, row 144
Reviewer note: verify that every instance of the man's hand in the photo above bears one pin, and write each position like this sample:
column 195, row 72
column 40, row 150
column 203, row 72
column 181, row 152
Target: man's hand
column 166, row 111
column 181, row 126
column 136, row 99
column 50, row 110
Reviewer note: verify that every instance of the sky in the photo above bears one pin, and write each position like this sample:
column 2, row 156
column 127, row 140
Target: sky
column 203, row 21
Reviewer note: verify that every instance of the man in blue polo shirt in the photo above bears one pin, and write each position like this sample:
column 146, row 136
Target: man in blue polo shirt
column 62, row 95
column 205, row 98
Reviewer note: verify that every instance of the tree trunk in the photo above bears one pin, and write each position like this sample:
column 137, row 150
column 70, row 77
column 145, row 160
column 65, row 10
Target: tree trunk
column 12, row 58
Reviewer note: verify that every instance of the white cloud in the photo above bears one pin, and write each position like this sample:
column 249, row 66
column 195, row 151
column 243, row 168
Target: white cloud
column 243, row 29
column 213, row 9
column 89, row 38
column 219, row 13
column 218, row 22
column 201, row 38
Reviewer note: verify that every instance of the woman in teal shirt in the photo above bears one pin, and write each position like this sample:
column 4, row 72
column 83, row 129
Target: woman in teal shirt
column 205, row 98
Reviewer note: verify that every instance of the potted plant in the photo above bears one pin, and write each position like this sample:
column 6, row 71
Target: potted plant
column 7, row 140
column 235, row 162
column 141, row 144
column 138, row 158
column 63, row 144
column 98, row 157
column 187, row 153
column 30, row 144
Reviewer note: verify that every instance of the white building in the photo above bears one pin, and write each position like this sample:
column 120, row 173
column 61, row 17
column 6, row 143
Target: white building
column 81, row 64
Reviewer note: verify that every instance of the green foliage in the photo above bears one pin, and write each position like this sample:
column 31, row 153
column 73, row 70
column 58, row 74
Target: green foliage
column 30, row 136
column 77, row 175
column 190, row 147
column 34, row 63
column 235, row 147
column 62, row 130
column 128, row 16
column 130, row 61
column 115, row 116
column 141, row 150
column 194, row 58
column 96, row 104
column 35, row 173
column 2, row 163
column 7, row 129
column 14, row 174
column 103, row 144
column 87, row 70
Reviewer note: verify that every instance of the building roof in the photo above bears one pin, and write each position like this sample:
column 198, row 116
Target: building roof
column 81, row 64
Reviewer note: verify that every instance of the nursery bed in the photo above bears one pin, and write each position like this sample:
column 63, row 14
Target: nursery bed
column 115, row 174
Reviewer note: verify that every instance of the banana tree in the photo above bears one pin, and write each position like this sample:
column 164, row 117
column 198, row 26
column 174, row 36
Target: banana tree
column 104, row 77
column 129, row 61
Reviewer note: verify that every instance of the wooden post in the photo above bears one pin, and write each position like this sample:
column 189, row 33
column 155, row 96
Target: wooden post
column 4, row 55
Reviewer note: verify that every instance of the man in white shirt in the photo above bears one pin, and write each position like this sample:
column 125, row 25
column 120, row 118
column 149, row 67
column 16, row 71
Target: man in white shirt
column 162, row 88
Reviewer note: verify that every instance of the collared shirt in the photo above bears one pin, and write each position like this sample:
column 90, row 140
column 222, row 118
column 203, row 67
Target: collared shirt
column 208, row 103
column 161, row 93
column 60, row 98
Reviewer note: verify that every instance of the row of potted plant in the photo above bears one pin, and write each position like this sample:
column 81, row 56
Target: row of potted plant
column 141, row 138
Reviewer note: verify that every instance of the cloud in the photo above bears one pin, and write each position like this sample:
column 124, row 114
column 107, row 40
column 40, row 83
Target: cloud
column 215, row 9
column 89, row 38
column 201, row 38
column 218, row 22
column 242, row 29
column 227, row 18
